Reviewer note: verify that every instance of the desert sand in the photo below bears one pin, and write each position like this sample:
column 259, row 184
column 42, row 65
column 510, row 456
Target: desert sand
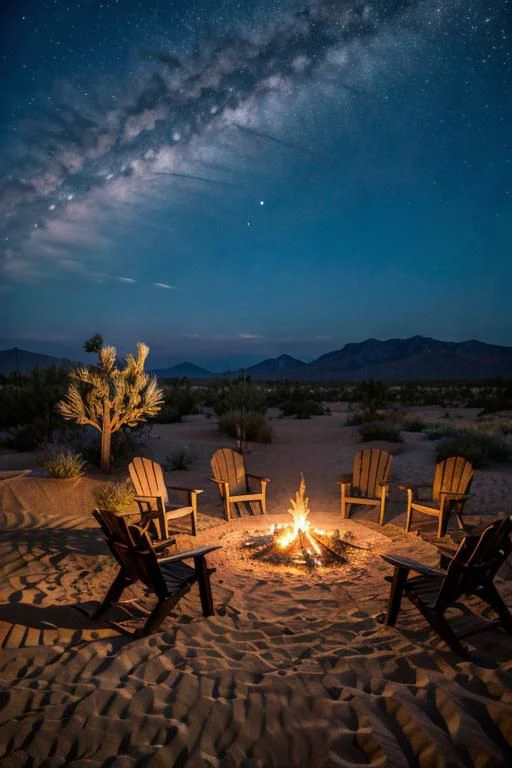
column 294, row 670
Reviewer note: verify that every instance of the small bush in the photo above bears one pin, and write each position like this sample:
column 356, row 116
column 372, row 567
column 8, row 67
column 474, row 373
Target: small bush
column 182, row 458
column 251, row 425
column 64, row 464
column 380, row 430
column 478, row 448
column 414, row 425
column 355, row 419
column 28, row 437
column 301, row 409
column 438, row 431
column 168, row 414
column 115, row 497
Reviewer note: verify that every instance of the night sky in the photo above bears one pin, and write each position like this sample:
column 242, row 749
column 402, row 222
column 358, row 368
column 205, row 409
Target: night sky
column 230, row 180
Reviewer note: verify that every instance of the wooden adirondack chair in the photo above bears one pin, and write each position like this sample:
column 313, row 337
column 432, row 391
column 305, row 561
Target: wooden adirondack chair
column 168, row 577
column 118, row 525
column 153, row 499
column 232, row 480
column 470, row 571
column 368, row 483
column 448, row 493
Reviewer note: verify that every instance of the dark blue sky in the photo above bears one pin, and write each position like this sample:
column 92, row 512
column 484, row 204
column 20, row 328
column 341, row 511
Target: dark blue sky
column 229, row 180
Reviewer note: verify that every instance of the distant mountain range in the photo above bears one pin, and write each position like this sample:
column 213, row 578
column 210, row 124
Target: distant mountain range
column 418, row 358
column 21, row 361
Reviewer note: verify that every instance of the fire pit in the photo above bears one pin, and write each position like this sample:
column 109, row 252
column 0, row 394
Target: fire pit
column 300, row 543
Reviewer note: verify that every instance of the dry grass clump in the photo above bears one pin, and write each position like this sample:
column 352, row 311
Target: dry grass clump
column 115, row 497
column 380, row 430
column 250, row 426
column 64, row 464
column 181, row 458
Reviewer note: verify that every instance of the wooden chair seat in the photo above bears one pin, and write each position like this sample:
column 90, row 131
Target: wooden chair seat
column 368, row 483
column 470, row 571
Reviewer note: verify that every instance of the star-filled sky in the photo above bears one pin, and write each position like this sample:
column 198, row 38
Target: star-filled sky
column 230, row 180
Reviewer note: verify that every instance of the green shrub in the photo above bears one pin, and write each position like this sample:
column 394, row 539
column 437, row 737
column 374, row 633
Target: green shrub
column 438, row 431
column 240, row 394
column 380, row 430
column 301, row 409
column 28, row 437
column 250, row 426
column 181, row 458
column 64, row 464
column 168, row 414
column 414, row 425
column 115, row 497
column 478, row 448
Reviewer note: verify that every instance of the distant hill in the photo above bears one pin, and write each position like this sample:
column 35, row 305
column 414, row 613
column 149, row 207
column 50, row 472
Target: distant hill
column 12, row 360
column 182, row 370
column 417, row 358
column 272, row 368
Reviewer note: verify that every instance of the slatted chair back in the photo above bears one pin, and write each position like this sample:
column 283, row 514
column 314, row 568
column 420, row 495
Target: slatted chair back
column 228, row 465
column 148, row 478
column 454, row 475
column 476, row 562
column 133, row 550
column 371, row 467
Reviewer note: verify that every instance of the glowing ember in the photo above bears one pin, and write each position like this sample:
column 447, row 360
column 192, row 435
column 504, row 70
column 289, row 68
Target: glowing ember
column 300, row 529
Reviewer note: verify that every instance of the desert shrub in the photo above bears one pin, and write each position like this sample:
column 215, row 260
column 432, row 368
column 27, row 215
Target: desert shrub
column 240, row 394
column 301, row 408
column 180, row 400
column 414, row 425
column 355, row 419
column 478, row 448
column 168, row 414
column 125, row 445
column 31, row 400
column 249, row 425
column 380, row 430
column 437, row 431
column 28, row 437
column 372, row 396
column 63, row 464
column 115, row 497
column 181, row 458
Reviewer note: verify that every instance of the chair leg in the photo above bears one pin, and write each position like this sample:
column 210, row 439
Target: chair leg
column 205, row 589
column 264, row 504
column 159, row 613
column 444, row 516
column 491, row 595
column 443, row 629
column 382, row 506
column 344, row 507
column 115, row 591
column 227, row 508
column 408, row 519
column 194, row 520
column 395, row 596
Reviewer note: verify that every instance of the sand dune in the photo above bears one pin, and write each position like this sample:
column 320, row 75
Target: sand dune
column 293, row 670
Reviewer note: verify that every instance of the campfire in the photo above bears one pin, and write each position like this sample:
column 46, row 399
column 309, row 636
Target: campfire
column 299, row 543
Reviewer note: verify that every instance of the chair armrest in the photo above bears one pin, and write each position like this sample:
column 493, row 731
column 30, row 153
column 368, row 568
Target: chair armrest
column 344, row 479
column 146, row 498
column 383, row 483
column 187, row 490
column 162, row 544
column 412, row 565
column 257, row 477
column 219, row 482
column 454, row 495
column 188, row 554
column 413, row 486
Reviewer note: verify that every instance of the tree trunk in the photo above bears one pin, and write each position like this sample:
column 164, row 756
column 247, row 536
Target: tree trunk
column 106, row 435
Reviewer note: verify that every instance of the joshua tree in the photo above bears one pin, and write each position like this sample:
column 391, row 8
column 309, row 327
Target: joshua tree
column 94, row 344
column 107, row 398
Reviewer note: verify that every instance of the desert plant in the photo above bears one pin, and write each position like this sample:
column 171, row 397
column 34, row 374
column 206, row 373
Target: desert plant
column 115, row 497
column 181, row 458
column 63, row 464
column 380, row 430
column 240, row 394
column 108, row 398
column 478, row 448
column 249, row 426
column 436, row 431
column 414, row 425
